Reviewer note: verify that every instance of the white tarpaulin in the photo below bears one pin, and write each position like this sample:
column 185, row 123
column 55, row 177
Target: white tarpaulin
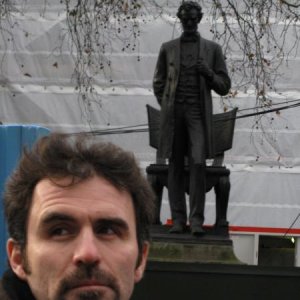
column 36, row 87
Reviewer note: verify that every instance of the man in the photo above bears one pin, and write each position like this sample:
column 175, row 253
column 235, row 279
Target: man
column 78, row 215
column 188, row 68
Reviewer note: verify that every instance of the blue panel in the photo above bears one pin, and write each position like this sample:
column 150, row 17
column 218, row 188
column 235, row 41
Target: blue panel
column 13, row 138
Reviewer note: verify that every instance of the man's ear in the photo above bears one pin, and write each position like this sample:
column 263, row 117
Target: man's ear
column 15, row 258
column 139, row 271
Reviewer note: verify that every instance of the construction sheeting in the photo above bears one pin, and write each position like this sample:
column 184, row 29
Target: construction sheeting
column 36, row 88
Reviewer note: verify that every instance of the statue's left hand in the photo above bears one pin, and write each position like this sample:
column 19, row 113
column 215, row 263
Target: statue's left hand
column 204, row 69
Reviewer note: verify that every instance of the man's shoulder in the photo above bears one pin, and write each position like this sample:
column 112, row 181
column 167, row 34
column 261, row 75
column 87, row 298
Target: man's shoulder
column 176, row 42
column 171, row 43
column 3, row 293
column 12, row 288
column 209, row 43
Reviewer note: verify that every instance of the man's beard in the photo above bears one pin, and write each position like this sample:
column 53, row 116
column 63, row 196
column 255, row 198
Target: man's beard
column 83, row 272
column 87, row 272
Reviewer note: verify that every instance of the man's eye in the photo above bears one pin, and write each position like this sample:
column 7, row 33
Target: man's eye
column 106, row 229
column 59, row 231
column 109, row 230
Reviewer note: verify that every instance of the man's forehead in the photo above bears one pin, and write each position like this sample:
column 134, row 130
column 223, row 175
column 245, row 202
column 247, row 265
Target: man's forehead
column 92, row 199
column 94, row 190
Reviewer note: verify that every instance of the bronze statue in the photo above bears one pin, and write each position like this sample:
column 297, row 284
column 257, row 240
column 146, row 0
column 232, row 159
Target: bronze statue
column 188, row 68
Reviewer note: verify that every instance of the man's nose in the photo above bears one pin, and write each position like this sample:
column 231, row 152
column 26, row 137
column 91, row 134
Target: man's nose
column 87, row 248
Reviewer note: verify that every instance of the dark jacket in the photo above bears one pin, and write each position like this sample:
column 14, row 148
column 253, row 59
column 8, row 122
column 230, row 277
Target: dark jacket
column 165, row 83
column 12, row 288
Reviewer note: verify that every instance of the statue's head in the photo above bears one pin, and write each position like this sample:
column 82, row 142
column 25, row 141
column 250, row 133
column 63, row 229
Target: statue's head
column 190, row 15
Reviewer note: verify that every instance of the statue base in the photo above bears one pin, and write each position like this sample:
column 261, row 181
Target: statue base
column 185, row 247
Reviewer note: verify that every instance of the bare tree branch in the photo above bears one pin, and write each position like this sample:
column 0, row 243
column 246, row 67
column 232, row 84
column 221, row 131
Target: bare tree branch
column 290, row 4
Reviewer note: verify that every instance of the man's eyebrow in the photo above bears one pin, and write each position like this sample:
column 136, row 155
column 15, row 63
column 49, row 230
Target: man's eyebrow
column 113, row 221
column 62, row 217
column 55, row 217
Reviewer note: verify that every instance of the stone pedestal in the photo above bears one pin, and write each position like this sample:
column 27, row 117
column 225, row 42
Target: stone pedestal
column 208, row 248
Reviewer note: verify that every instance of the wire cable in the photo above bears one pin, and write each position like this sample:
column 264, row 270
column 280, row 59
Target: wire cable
column 136, row 129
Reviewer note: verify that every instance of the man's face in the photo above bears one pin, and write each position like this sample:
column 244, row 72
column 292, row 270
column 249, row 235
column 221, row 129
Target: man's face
column 189, row 21
column 81, row 242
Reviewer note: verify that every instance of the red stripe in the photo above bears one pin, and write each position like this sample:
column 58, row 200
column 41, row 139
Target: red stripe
column 264, row 229
column 253, row 229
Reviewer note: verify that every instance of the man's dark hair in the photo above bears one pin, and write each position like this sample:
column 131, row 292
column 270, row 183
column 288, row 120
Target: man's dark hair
column 189, row 5
column 60, row 155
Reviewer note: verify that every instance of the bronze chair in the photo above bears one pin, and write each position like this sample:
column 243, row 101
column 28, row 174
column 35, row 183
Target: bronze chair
column 217, row 176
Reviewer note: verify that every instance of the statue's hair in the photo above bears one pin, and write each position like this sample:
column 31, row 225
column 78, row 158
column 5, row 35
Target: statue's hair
column 187, row 6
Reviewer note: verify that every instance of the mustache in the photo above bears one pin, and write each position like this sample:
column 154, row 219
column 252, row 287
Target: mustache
column 89, row 273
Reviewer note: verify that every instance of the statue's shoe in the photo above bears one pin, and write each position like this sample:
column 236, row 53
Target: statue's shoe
column 197, row 230
column 177, row 228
